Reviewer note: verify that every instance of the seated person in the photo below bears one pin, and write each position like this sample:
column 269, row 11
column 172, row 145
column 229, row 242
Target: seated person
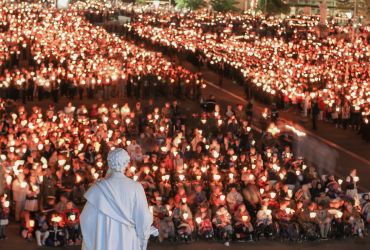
column 71, row 218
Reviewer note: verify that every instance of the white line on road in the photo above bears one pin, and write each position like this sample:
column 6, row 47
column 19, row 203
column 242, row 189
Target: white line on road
column 336, row 146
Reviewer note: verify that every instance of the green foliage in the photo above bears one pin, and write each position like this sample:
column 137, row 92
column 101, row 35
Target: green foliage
column 224, row 5
column 140, row 1
column 190, row 4
column 273, row 6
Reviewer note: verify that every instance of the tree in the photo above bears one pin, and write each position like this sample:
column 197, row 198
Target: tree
column 223, row 5
column 273, row 6
column 190, row 4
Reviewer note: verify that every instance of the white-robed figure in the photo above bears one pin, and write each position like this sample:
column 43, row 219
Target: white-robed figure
column 116, row 215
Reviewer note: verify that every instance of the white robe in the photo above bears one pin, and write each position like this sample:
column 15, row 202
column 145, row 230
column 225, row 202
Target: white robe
column 116, row 215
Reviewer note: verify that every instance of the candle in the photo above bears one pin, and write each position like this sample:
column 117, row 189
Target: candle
column 61, row 162
column 6, row 203
column 9, row 179
column 288, row 210
column 290, row 193
column 96, row 175
column 56, row 219
column 185, row 215
column 216, row 177
column 31, row 223
column 338, row 214
column 244, row 218
column 78, row 178
column 198, row 220
column 215, row 154
column 132, row 169
column 312, row 215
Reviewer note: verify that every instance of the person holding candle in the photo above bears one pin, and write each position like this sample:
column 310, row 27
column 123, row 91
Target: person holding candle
column 264, row 222
column 41, row 231
column 20, row 189
column 222, row 223
column 4, row 216
column 56, row 236
column 71, row 217
column 203, row 220
column 243, row 227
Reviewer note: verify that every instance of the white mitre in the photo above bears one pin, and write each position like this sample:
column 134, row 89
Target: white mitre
column 118, row 160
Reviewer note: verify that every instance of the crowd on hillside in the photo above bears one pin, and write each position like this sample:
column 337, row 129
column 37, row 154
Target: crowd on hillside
column 205, row 176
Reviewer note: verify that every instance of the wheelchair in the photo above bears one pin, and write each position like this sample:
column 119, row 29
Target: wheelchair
column 340, row 229
column 205, row 231
column 242, row 233
column 224, row 233
column 265, row 231
column 288, row 231
column 309, row 231
column 184, row 233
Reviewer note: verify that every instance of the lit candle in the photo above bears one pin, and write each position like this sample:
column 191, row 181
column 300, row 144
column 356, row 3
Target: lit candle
column 312, row 215
column 198, row 220
column 185, row 215
column 6, row 203
column 216, row 177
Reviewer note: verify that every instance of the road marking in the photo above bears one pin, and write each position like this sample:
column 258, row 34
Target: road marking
column 332, row 144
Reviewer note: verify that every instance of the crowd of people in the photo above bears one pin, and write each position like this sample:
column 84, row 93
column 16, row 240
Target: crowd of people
column 206, row 176
column 286, row 61
column 50, row 52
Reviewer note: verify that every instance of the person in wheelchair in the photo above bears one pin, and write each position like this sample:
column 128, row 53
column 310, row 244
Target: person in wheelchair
column 162, row 218
column 57, row 233
column 222, row 224
column 339, row 228
column 352, row 216
column 204, row 223
column 288, row 228
column 324, row 220
column 264, row 224
column 185, row 226
column 306, row 219
column 243, row 227
column 71, row 217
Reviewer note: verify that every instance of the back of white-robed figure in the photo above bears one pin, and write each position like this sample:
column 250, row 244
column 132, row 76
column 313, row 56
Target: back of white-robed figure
column 116, row 215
